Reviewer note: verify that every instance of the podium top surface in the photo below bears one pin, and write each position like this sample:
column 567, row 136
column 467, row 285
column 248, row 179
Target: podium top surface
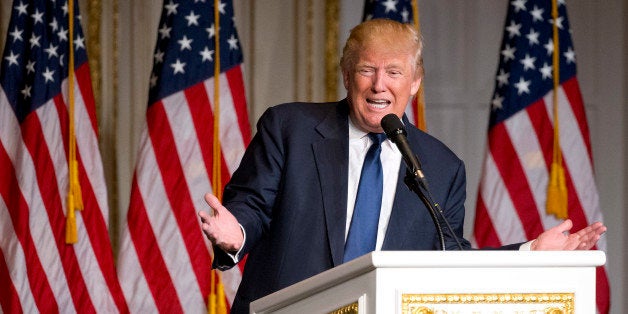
column 435, row 260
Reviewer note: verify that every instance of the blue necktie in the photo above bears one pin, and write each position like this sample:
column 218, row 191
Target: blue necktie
column 363, row 229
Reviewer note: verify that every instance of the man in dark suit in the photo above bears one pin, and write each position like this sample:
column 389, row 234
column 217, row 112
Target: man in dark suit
column 291, row 202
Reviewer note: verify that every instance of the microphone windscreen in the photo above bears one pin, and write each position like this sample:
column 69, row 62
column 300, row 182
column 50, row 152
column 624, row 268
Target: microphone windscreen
column 392, row 125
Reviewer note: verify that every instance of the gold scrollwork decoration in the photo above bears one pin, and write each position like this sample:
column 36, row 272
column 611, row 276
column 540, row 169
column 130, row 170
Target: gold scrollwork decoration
column 553, row 303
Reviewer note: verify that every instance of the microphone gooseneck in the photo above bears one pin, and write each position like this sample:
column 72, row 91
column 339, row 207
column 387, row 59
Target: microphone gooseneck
column 415, row 178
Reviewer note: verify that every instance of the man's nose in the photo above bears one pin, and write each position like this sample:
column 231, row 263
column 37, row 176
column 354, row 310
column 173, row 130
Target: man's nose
column 378, row 84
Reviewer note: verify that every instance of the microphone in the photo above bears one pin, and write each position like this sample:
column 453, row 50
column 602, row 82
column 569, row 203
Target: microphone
column 396, row 132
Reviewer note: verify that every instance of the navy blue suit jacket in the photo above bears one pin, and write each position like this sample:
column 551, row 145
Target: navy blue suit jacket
column 290, row 196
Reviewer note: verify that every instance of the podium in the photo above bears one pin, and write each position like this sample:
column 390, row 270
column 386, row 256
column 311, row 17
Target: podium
column 447, row 282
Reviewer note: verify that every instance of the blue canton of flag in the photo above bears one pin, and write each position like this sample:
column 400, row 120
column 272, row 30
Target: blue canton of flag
column 35, row 57
column 525, row 66
column 185, row 50
column 398, row 10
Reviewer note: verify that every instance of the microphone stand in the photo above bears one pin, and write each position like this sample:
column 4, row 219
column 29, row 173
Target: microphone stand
column 414, row 184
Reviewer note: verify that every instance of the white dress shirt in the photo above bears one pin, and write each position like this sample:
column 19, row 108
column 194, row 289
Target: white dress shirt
column 359, row 144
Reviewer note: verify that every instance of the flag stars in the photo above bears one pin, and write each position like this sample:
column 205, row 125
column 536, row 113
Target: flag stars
column 405, row 15
column 559, row 22
column 164, row 31
column 391, row 5
column 570, row 55
column 63, row 34
column 509, row 52
column 528, row 62
column 221, row 7
column 533, row 37
column 34, row 41
column 30, row 66
column 153, row 80
column 12, row 58
column 159, row 56
column 233, row 42
column 171, row 8
column 54, row 25
column 192, row 18
column 497, row 102
column 178, row 67
column 546, row 71
column 207, row 55
column 38, row 17
column 537, row 14
column 64, row 8
column 79, row 42
column 21, row 9
column 52, row 51
column 16, row 34
column 26, row 91
column 519, row 5
column 48, row 75
column 211, row 31
column 522, row 86
column 549, row 47
column 502, row 78
column 513, row 29
column 185, row 43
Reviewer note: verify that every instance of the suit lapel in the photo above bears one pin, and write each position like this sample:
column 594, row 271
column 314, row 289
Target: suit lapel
column 406, row 207
column 331, row 157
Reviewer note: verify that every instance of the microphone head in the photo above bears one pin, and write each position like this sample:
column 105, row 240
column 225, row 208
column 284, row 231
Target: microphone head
column 392, row 126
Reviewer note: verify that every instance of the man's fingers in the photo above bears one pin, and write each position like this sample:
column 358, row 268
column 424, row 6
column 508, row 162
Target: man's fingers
column 565, row 226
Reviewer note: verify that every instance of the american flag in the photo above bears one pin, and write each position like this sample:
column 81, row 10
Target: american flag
column 511, row 204
column 401, row 11
column 39, row 272
column 165, row 260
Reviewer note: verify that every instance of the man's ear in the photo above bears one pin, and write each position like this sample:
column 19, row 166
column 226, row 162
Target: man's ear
column 415, row 86
column 345, row 78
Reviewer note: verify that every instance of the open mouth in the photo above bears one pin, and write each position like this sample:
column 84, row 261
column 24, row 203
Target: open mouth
column 378, row 103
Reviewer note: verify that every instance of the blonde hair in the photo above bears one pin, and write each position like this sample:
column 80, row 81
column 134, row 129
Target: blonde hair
column 398, row 36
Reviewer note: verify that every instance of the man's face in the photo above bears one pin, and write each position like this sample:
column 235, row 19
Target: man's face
column 381, row 82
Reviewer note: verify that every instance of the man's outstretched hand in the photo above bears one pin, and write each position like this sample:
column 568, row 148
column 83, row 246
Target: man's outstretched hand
column 559, row 238
column 220, row 226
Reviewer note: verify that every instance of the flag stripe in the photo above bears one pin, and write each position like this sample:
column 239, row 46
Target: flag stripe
column 486, row 235
column 573, row 95
column 19, row 216
column 9, row 300
column 507, row 225
column 177, row 190
column 43, row 158
column 153, row 265
column 236, row 85
column 511, row 171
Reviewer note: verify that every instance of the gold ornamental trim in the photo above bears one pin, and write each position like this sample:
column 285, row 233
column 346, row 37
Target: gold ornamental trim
column 347, row 309
column 553, row 303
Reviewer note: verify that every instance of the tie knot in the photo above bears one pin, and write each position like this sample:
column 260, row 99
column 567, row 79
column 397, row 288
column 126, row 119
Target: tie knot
column 377, row 138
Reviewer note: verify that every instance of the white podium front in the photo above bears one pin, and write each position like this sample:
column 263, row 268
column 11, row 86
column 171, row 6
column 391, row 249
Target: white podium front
column 447, row 282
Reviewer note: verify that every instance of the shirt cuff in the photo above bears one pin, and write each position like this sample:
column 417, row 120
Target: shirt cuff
column 526, row 246
column 236, row 256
